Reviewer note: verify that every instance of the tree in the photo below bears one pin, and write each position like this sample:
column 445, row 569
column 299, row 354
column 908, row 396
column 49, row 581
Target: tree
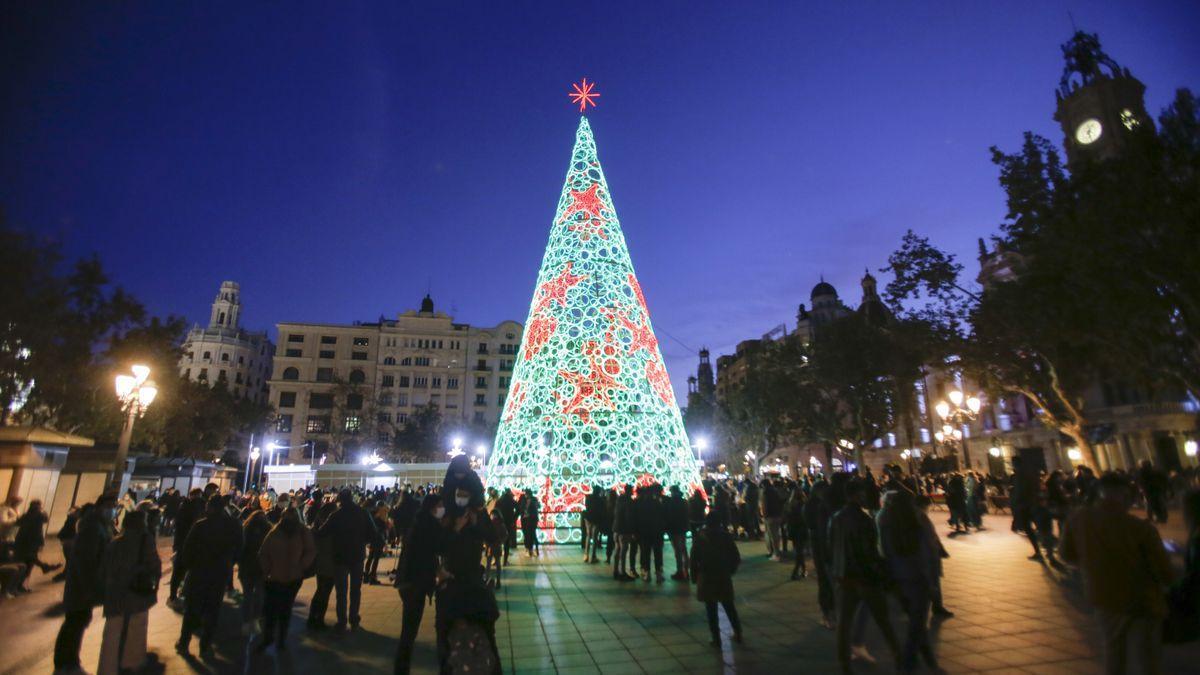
column 590, row 400
column 421, row 435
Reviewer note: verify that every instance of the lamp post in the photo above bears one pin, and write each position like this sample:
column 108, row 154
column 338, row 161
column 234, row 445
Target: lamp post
column 254, row 455
column 135, row 392
column 956, row 414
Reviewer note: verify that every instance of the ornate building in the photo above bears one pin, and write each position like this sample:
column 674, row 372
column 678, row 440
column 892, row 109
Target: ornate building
column 330, row 377
column 225, row 353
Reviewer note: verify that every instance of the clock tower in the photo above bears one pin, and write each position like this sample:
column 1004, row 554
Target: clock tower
column 1099, row 102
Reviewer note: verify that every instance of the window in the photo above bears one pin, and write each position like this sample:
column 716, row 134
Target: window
column 354, row 401
column 325, row 354
column 358, row 356
column 203, row 376
column 357, row 376
column 241, row 360
column 482, row 348
column 320, row 401
column 420, row 382
column 324, row 374
column 289, row 373
column 436, row 383
column 406, row 361
column 401, row 418
column 221, row 376
column 283, row 424
column 295, row 353
column 481, row 365
column 384, row 438
column 508, row 348
column 353, row 423
column 403, row 382
column 480, row 399
column 481, row 383
column 237, row 378
column 329, row 339
column 506, row 364
column 287, row 399
column 361, row 341
column 452, row 383
column 500, row 400
column 504, row 382
column 296, row 337
column 402, row 400
column 389, row 361
column 385, row 398
column 422, row 360
column 388, row 381
column 317, row 424
column 478, row 419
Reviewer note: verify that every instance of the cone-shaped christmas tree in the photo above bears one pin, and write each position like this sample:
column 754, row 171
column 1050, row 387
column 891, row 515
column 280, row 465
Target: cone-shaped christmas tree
column 590, row 401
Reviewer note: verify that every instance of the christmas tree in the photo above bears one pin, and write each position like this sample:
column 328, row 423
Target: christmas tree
column 590, row 401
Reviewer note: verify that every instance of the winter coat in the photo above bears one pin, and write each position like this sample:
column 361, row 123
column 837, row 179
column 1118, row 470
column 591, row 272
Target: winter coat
column 676, row 515
column 31, row 534
column 254, row 531
column 284, row 557
column 191, row 510
column 816, row 518
column 213, row 544
column 417, row 567
column 715, row 559
column 697, row 509
column 797, row 528
column 464, row 595
column 772, row 501
column 133, row 552
column 326, row 567
column 352, row 530
column 853, row 547
column 649, row 519
column 84, row 588
column 624, row 521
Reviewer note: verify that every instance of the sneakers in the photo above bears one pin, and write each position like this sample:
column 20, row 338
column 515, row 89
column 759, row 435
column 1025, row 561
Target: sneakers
column 860, row 653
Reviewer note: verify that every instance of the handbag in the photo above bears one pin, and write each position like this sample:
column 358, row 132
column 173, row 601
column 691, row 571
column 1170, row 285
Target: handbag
column 144, row 581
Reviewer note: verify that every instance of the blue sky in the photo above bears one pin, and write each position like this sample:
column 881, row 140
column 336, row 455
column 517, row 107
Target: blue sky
column 339, row 158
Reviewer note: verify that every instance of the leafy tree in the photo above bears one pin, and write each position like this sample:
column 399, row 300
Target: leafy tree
column 421, row 435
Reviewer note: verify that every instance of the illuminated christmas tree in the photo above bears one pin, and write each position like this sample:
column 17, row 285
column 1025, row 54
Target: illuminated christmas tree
column 590, row 401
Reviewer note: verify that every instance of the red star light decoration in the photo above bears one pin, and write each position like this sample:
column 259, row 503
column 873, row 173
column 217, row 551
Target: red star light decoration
column 584, row 94
column 588, row 202
column 555, row 290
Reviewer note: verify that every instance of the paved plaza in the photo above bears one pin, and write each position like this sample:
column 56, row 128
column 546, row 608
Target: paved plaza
column 561, row 615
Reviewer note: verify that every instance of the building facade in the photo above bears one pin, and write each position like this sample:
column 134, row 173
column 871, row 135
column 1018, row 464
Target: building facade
column 336, row 386
column 225, row 353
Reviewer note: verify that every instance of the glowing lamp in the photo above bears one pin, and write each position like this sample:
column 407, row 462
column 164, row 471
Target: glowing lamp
column 906, row 454
column 125, row 385
column 702, row 444
column 943, row 409
column 481, row 449
column 147, row 394
column 254, row 455
column 141, row 373
column 1189, row 448
column 994, row 451
column 973, row 404
column 916, row 452
column 1074, row 454
column 956, row 396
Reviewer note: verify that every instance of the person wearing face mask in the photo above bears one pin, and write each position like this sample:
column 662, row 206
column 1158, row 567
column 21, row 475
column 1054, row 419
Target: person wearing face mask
column 466, row 607
column 84, row 587
column 416, row 573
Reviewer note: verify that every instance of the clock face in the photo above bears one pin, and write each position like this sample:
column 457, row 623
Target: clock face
column 1088, row 132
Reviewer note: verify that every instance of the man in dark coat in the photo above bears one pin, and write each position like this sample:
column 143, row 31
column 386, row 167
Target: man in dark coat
column 508, row 513
column 187, row 514
column 676, row 521
column 715, row 559
column 651, row 525
column 416, row 572
column 624, row 529
column 84, row 587
column 352, row 530
column 816, row 519
column 213, row 544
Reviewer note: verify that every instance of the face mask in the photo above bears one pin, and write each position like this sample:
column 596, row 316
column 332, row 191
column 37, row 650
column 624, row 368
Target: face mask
column 462, row 501
column 439, row 511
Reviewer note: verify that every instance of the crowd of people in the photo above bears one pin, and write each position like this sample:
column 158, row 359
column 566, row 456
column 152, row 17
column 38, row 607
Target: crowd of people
column 869, row 542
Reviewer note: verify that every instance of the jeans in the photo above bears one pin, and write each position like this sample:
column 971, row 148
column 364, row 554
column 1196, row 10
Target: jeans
column 710, row 608
column 414, row 610
column 915, row 596
column 1123, row 634
column 70, row 638
column 652, row 546
column 851, row 593
column 202, row 609
column 774, row 534
column 348, row 575
column 798, row 545
column 679, row 547
column 320, row 601
column 277, row 608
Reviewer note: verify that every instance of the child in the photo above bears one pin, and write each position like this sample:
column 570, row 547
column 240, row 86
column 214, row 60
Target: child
column 495, row 551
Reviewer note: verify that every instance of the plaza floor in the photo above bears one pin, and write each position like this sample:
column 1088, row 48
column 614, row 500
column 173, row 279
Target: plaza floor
column 563, row 616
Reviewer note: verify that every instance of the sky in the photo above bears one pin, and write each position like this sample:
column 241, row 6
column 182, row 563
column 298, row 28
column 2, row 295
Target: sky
column 338, row 160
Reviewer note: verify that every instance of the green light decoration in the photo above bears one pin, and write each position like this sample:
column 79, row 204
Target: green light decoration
column 590, row 401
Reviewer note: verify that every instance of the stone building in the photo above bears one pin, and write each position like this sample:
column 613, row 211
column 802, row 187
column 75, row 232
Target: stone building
column 336, row 382
column 224, row 352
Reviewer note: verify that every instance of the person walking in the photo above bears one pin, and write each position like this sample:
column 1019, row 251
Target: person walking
column 212, row 546
column 352, row 530
column 131, row 573
column 1125, row 572
column 250, row 575
column 676, row 520
column 371, row 570
column 416, row 573
column 857, row 567
column 507, row 507
column 936, row 554
column 286, row 553
column 31, row 537
column 66, row 537
column 797, row 531
column 816, row 518
column 714, row 561
column 84, row 588
column 906, row 552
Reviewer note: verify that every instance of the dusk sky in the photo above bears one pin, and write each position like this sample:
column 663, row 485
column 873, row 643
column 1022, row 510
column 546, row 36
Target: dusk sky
column 338, row 159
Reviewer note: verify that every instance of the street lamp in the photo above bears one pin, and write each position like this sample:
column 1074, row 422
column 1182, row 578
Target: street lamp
column 135, row 392
column 456, row 450
column 254, row 455
column 956, row 414
column 1189, row 448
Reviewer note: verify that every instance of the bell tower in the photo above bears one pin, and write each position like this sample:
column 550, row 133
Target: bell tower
column 1099, row 102
column 227, row 307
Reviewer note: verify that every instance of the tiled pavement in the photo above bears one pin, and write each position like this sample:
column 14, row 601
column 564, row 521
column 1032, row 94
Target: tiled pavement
column 560, row 615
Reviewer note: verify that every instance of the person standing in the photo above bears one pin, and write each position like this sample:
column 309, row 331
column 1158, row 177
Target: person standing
column 714, row 561
column 465, row 606
column 623, row 530
column 84, row 587
column 212, row 546
column 1023, row 501
column 650, row 529
column 371, row 571
column 416, row 573
column 906, row 552
column 326, row 571
column 66, row 537
column 250, row 575
column 529, row 522
column 936, row 554
column 772, row 511
column 132, row 569
column 352, row 530
column 1125, row 572
column 857, row 567
column 286, row 552
column 508, row 511
column 816, row 518
column 676, row 511
column 191, row 510
column 797, row 531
